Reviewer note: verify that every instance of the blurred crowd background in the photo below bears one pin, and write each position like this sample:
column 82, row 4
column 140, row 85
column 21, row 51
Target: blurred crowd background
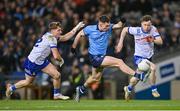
column 22, row 22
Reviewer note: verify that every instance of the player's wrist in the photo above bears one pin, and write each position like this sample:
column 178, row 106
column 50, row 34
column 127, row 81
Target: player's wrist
column 61, row 62
column 74, row 30
column 73, row 50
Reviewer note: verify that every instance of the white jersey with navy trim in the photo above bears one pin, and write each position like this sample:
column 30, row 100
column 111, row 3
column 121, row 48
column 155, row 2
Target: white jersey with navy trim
column 42, row 48
column 143, row 47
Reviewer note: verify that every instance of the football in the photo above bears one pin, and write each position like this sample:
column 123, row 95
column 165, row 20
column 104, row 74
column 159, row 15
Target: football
column 143, row 65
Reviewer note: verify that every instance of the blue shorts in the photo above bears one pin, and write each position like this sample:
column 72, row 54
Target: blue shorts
column 138, row 59
column 33, row 69
column 96, row 60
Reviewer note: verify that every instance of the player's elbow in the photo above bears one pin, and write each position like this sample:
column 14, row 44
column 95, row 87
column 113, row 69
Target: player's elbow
column 160, row 42
column 63, row 39
column 125, row 30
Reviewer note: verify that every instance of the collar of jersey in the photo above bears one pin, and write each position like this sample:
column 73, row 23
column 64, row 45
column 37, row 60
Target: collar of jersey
column 144, row 31
column 97, row 28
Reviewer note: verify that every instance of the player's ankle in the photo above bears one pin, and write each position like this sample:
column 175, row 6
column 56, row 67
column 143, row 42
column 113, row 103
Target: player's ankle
column 139, row 76
column 56, row 92
column 129, row 88
column 82, row 89
column 12, row 88
column 153, row 88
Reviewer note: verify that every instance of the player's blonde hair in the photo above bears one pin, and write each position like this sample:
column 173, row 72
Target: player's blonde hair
column 54, row 25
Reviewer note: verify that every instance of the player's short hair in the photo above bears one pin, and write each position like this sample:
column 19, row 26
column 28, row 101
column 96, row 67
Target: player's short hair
column 104, row 18
column 146, row 18
column 54, row 25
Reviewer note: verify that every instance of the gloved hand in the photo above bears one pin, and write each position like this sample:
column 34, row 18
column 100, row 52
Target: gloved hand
column 79, row 26
column 73, row 50
column 61, row 62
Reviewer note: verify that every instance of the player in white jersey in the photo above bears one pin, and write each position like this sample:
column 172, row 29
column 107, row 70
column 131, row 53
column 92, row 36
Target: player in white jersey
column 37, row 60
column 145, row 37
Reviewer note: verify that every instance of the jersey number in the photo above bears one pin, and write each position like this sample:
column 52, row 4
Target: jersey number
column 38, row 41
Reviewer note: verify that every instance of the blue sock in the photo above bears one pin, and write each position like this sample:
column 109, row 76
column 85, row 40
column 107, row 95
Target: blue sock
column 12, row 88
column 130, row 88
column 140, row 76
column 137, row 75
column 56, row 91
column 153, row 87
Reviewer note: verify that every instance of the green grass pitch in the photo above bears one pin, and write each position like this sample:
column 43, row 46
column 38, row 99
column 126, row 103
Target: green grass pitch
column 90, row 105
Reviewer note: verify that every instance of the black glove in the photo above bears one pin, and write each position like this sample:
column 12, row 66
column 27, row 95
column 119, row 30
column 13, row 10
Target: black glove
column 123, row 20
column 73, row 50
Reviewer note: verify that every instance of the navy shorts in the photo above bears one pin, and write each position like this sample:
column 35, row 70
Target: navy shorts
column 96, row 60
column 33, row 69
column 138, row 59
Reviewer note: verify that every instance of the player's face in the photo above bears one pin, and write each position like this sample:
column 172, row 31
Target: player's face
column 103, row 26
column 58, row 32
column 146, row 25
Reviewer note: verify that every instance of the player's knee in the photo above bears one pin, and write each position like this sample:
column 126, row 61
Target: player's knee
column 57, row 76
column 153, row 67
column 120, row 61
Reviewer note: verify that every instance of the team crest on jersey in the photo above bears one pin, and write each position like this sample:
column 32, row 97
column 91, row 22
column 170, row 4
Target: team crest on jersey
column 138, row 31
column 50, row 38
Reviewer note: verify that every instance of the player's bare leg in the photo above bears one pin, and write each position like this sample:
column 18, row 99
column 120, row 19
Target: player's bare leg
column 96, row 76
column 114, row 62
column 111, row 61
column 152, row 77
column 52, row 71
column 128, row 89
column 11, row 88
column 134, row 81
column 107, row 62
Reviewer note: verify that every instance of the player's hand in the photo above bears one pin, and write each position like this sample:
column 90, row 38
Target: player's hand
column 61, row 62
column 73, row 50
column 79, row 25
column 150, row 39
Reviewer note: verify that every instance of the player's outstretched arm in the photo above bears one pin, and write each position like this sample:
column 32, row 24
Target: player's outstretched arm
column 76, row 40
column 121, row 39
column 70, row 34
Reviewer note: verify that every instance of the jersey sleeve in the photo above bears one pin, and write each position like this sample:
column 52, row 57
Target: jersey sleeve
column 86, row 31
column 155, row 33
column 111, row 28
column 52, row 42
column 132, row 30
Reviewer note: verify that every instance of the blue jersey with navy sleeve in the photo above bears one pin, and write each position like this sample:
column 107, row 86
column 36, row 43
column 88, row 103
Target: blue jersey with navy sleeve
column 98, row 40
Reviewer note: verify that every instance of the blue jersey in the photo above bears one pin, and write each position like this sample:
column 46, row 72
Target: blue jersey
column 98, row 40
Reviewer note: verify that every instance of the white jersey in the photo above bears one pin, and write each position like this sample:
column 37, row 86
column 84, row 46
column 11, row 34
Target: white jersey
column 143, row 47
column 42, row 48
